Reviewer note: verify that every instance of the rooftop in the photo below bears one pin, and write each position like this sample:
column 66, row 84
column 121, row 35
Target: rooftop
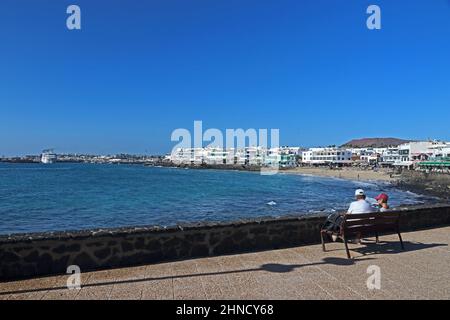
column 422, row 271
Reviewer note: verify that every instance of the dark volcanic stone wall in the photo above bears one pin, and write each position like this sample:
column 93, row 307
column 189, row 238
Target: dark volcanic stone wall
column 31, row 255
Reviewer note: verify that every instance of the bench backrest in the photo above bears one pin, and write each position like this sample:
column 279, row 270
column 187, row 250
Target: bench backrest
column 370, row 222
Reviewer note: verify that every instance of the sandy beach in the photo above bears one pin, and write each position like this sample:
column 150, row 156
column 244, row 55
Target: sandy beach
column 344, row 173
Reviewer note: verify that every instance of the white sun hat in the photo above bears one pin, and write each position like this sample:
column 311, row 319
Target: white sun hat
column 359, row 192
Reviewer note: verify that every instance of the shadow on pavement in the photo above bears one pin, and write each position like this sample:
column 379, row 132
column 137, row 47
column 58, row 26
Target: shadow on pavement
column 392, row 247
column 271, row 267
column 365, row 249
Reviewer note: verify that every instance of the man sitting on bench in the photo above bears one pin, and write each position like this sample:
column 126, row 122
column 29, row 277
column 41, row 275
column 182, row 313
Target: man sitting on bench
column 361, row 205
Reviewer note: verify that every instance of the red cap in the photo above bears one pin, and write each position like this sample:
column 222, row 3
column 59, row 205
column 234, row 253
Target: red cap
column 382, row 196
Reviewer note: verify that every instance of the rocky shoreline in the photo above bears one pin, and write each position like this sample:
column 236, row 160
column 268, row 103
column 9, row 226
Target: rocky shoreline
column 431, row 184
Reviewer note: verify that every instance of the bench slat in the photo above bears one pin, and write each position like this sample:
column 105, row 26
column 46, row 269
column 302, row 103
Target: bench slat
column 371, row 215
column 371, row 221
column 369, row 229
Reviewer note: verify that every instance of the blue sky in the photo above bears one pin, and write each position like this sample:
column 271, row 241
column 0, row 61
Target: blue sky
column 140, row 69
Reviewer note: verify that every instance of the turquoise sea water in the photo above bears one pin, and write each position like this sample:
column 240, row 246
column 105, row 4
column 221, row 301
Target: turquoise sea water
column 37, row 197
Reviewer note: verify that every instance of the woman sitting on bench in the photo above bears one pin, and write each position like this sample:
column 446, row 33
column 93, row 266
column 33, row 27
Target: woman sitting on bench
column 382, row 200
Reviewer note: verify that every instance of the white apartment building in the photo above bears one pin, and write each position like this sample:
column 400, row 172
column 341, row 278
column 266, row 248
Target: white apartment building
column 283, row 156
column 372, row 158
column 217, row 156
column 188, row 155
column 413, row 152
column 361, row 151
column 290, row 150
column 440, row 150
column 389, row 156
column 321, row 156
column 246, row 156
column 255, row 155
column 380, row 151
column 364, row 155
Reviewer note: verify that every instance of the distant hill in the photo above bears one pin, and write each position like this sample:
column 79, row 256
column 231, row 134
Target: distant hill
column 374, row 142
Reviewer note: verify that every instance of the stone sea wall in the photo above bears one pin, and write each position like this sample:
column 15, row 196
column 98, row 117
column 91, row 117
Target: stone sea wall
column 31, row 255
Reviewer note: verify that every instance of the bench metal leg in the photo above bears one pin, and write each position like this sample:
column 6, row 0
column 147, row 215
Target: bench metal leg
column 400, row 237
column 377, row 240
column 346, row 248
column 323, row 242
column 401, row 241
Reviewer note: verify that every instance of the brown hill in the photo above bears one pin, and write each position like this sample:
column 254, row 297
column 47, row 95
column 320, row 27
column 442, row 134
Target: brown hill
column 374, row 142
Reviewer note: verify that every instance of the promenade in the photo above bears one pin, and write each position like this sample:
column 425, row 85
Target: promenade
column 422, row 271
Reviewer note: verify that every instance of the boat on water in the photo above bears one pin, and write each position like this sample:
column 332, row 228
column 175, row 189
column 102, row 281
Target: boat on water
column 48, row 156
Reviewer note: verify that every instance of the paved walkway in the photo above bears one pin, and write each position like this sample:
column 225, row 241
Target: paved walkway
column 420, row 272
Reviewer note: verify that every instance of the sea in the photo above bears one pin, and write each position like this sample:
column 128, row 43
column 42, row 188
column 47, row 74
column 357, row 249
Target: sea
column 75, row 196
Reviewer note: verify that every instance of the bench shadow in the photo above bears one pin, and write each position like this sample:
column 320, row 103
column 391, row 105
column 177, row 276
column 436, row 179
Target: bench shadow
column 269, row 267
column 283, row 268
column 392, row 247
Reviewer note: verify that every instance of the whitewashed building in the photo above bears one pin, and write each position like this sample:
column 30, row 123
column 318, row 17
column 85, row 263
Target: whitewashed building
column 258, row 156
column 284, row 156
column 389, row 156
column 415, row 151
column 322, row 156
column 440, row 150
column 188, row 155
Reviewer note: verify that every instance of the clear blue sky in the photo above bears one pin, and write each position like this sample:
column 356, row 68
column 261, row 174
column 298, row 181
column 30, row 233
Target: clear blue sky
column 139, row 69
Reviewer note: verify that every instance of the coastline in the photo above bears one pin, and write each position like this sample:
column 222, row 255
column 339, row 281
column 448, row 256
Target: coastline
column 429, row 185
column 341, row 173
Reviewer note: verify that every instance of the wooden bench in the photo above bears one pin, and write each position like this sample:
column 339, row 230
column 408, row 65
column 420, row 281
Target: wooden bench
column 365, row 224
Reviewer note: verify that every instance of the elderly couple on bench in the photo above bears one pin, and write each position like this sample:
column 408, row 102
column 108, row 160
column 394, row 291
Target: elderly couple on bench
column 361, row 218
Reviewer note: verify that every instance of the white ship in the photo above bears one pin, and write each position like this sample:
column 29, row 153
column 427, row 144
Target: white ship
column 48, row 156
